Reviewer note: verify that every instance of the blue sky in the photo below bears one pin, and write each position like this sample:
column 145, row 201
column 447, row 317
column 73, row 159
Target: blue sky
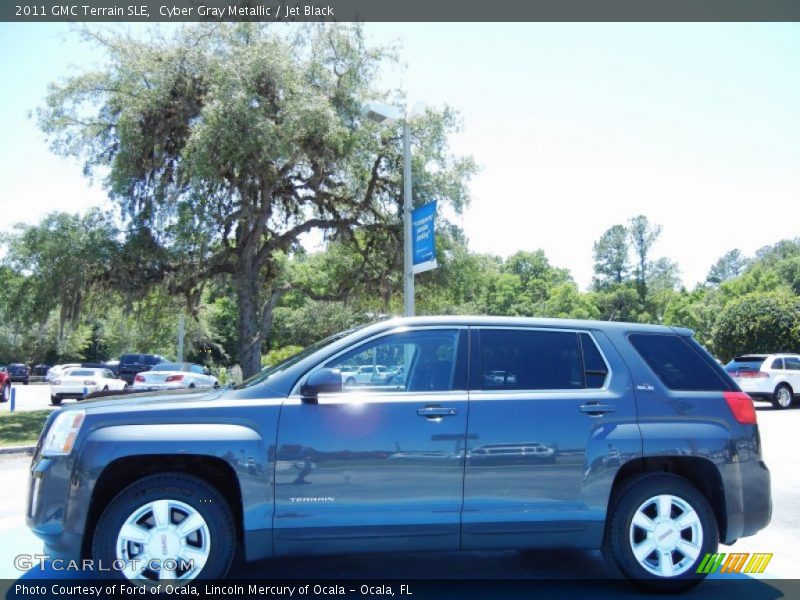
column 576, row 127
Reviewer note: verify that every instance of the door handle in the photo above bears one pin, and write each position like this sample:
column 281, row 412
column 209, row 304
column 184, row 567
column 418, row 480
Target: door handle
column 436, row 412
column 595, row 408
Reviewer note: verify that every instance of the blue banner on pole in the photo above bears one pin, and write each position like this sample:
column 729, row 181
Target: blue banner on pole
column 423, row 237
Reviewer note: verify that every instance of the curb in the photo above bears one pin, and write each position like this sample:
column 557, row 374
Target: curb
column 18, row 449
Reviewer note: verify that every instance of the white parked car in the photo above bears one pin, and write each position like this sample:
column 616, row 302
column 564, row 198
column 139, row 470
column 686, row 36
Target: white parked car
column 366, row 375
column 79, row 382
column 773, row 377
column 171, row 376
column 56, row 370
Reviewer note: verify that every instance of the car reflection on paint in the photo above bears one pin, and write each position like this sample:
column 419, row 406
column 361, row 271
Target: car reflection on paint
column 512, row 453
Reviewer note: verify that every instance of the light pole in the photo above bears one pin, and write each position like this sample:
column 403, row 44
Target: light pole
column 385, row 114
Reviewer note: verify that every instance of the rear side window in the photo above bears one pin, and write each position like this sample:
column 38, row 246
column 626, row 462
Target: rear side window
column 777, row 363
column 129, row 359
column 793, row 364
column 678, row 364
column 531, row 360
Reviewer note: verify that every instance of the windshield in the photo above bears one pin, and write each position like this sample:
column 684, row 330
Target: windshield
column 268, row 372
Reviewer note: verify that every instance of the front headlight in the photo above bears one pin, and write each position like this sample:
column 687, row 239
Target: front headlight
column 62, row 434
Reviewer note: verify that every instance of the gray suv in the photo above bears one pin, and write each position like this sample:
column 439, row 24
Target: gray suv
column 496, row 433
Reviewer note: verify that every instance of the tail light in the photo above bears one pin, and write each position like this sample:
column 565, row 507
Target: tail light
column 139, row 378
column 89, row 382
column 751, row 374
column 741, row 406
column 174, row 378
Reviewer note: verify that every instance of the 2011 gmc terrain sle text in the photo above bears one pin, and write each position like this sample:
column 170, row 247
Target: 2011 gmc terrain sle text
column 490, row 433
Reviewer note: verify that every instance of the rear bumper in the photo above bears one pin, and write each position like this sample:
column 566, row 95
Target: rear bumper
column 144, row 387
column 757, row 387
column 748, row 498
column 69, row 391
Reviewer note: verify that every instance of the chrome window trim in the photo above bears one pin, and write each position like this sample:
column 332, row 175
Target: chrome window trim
column 549, row 391
column 295, row 392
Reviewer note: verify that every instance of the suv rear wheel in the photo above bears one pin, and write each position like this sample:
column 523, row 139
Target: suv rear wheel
column 170, row 526
column 782, row 397
column 661, row 527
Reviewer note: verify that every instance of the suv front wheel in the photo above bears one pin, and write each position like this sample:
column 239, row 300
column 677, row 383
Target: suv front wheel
column 170, row 526
column 660, row 530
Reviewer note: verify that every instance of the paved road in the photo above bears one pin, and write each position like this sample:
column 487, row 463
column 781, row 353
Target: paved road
column 576, row 571
column 30, row 397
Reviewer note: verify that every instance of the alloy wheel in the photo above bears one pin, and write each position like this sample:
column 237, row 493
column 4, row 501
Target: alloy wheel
column 163, row 539
column 666, row 535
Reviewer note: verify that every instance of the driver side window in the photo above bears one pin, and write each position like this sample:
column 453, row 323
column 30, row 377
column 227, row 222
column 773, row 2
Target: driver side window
column 412, row 361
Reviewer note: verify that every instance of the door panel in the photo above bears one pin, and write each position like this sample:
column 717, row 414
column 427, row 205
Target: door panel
column 540, row 462
column 377, row 466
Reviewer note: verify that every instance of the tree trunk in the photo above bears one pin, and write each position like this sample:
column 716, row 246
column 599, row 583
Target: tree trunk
column 249, row 322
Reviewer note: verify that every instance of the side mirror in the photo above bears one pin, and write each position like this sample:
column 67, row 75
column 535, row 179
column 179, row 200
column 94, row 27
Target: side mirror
column 206, row 371
column 321, row 381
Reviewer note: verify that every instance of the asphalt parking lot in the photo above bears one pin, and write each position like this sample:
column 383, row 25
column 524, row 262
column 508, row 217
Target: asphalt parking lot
column 35, row 396
column 578, row 571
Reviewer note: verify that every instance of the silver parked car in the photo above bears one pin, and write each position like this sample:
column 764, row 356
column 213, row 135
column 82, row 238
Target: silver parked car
column 171, row 376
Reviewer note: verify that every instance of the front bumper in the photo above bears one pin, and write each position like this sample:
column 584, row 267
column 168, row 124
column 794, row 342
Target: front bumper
column 56, row 508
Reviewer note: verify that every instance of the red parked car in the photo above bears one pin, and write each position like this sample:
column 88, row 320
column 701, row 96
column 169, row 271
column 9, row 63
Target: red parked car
column 5, row 386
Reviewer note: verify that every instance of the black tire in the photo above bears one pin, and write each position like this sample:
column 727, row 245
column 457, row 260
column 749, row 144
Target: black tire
column 105, row 389
column 621, row 535
column 25, row 382
column 55, row 401
column 782, row 397
column 191, row 386
column 350, row 382
column 5, row 394
column 180, row 488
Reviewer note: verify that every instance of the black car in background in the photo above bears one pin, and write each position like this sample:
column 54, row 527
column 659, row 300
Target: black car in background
column 132, row 364
column 17, row 372
column 40, row 370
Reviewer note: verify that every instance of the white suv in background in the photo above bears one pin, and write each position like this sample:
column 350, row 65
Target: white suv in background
column 773, row 377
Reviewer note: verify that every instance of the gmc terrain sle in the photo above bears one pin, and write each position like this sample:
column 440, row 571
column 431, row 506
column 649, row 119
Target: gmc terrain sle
column 492, row 433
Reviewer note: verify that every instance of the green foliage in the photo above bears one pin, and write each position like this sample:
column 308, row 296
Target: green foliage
column 697, row 310
column 60, row 262
column 642, row 235
column 273, row 357
column 312, row 321
column 224, row 146
column 611, row 262
column 758, row 322
column 730, row 265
